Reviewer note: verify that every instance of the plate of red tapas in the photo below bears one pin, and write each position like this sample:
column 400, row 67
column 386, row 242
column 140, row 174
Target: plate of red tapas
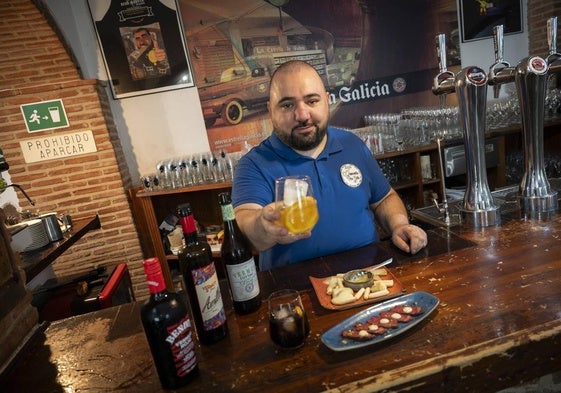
column 380, row 322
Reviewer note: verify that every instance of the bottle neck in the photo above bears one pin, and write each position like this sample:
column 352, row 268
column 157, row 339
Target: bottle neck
column 154, row 276
column 228, row 213
column 189, row 228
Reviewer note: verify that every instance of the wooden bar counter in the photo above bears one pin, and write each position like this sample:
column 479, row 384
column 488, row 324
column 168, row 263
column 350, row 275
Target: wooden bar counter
column 498, row 324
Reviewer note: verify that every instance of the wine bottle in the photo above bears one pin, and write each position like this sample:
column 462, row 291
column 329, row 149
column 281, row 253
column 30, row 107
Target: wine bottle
column 201, row 281
column 169, row 330
column 237, row 255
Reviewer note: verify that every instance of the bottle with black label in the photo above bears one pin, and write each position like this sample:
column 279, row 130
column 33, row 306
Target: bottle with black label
column 169, row 330
column 237, row 255
column 201, row 281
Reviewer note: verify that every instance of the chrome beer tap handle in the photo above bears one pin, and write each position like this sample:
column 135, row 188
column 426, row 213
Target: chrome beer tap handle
column 444, row 81
column 500, row 64
column 553, row 55
column 501, row 71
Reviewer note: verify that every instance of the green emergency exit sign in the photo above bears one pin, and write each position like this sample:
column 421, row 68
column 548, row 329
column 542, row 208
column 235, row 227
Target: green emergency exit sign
column 44, row 115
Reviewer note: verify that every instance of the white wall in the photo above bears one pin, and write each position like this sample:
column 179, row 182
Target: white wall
column 481, row 53
column 170, row 124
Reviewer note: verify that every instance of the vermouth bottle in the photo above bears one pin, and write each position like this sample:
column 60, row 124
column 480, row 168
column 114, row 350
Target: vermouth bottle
column 201, row 281
column 237, row 255
column 169, row 330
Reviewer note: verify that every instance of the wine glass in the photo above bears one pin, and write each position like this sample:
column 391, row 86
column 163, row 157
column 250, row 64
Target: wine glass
column 294, row 199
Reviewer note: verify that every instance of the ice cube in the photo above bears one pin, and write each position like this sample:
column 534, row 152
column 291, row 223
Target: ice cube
column 289, row 324
column 294, row 189
column 282, row 312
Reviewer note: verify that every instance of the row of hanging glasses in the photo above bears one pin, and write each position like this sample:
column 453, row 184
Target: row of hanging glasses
column 505, row 112
column 384, row 132
column 192, row 170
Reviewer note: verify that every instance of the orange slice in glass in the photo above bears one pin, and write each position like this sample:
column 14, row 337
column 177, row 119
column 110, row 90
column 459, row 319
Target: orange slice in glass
column 301, row 216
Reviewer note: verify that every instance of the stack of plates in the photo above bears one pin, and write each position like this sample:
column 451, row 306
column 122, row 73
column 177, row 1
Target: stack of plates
column 30, row 238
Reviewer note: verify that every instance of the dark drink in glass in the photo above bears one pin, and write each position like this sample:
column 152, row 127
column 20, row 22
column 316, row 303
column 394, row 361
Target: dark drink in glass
column 288, row 324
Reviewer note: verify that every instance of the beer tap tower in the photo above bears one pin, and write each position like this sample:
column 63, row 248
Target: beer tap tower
column 536, row 197
column 470, row 85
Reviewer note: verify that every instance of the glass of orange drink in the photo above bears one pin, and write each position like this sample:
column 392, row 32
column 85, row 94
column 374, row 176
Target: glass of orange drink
column 295, row 200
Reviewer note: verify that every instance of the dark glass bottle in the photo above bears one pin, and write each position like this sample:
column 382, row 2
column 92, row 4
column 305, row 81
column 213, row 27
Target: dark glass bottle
column 237, row 255
column 169, row 330
column 201, row 281
column 166, row 227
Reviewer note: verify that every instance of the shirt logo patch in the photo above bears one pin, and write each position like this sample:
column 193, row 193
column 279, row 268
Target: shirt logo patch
column 351, row 175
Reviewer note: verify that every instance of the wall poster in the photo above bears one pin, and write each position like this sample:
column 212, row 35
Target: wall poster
column 478, row 17
column 371, row 60
column 143, row 45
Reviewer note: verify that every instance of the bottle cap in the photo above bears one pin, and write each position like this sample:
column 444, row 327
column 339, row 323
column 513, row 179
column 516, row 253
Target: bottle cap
column 154, row 275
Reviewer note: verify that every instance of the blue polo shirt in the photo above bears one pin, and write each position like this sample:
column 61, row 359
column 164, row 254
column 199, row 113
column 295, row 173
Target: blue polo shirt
column 346, row 179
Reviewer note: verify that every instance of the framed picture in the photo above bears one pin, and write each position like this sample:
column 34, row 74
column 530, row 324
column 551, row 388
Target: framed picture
column 143, row 45
column 478, row 17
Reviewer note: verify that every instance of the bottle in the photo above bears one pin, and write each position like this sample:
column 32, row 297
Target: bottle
column 166, row 227
column 169, row 330
column 237, row 255
column 201, row 281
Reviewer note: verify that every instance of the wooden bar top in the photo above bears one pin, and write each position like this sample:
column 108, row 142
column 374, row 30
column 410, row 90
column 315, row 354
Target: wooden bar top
column 498, row 324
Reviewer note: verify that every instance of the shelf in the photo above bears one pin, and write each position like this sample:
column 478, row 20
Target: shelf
column 182, row 190
column 404, row 185
column 431, row 181
column 33, row 262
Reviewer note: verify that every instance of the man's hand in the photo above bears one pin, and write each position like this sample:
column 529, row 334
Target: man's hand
column 262, row 226
column 409, row 238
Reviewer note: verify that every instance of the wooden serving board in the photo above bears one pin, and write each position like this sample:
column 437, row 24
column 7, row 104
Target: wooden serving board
column 320, row 287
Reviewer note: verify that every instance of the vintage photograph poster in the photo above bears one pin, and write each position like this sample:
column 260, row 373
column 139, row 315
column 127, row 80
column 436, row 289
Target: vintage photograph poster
column 143, row 45
column 374, row 56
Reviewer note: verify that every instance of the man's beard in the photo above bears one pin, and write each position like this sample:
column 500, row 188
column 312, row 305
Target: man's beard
column 301, row 142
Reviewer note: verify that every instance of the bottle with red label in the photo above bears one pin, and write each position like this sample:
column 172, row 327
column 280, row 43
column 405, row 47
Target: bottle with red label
column 169, row 330
column 201, row 281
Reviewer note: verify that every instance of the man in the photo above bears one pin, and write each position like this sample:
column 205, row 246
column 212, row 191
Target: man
column 148, row 59
column 349, row 186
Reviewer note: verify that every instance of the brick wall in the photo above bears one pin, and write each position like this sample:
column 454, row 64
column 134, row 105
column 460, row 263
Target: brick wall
column 539, row 11
column 36, row 67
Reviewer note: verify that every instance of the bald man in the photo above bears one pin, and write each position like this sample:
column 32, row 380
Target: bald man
column 351, row 190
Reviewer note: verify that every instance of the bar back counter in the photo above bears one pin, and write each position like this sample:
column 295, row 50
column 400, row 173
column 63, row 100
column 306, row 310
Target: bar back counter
column 498, row 324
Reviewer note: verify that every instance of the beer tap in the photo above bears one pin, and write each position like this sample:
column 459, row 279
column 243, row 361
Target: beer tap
column 500, row 64
column 530, row 75
column 553, row 55
column 553, row 58
column 470, row 86
column 444, row 80
column 536, row 196
column 501, row 71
